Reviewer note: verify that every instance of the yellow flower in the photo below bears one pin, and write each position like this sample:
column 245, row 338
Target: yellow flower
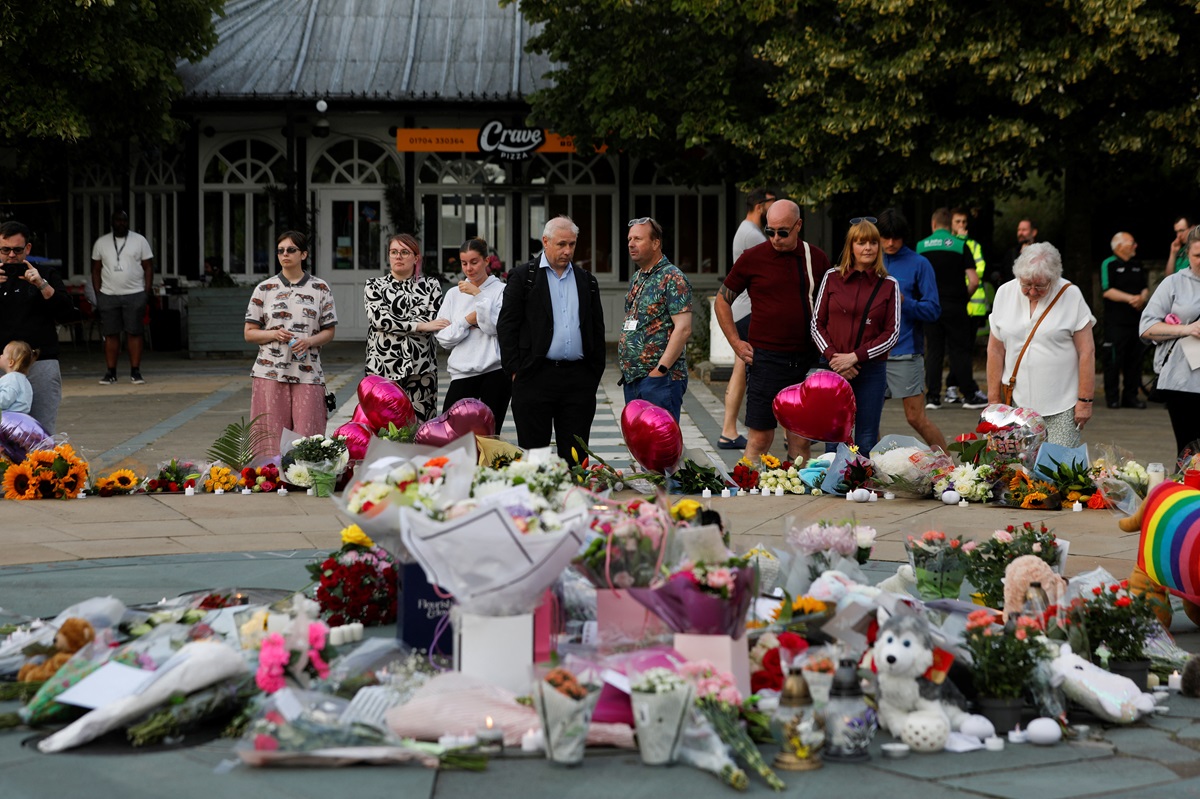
column 19, row 482
column 74, row 481
column 123, row 480
column 354, row 535
column 745, row 462
column 1035, row 499
column 759, row 552
column 802, row 606
column 770, row 461
column 685, row 510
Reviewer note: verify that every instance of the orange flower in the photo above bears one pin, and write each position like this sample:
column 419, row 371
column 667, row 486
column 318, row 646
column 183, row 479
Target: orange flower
column 18, row 482
column 74, row 481
column 439, row 461
column 1035, row 499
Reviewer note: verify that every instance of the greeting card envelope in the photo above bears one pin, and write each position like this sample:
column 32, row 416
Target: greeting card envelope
column 497, row 649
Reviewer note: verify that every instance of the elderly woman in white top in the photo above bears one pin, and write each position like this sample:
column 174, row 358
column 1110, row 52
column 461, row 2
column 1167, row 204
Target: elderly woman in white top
column 1058, row 373
column 472, row 308
column 1177, row 298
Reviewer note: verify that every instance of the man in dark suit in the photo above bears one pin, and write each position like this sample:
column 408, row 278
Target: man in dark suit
column 551, row 332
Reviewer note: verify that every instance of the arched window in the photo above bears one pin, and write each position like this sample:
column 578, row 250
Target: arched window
column 237, row 209
column 357, row 162
column 155, row 211
column 95, row 193
column 585, row 189
column 692, row 219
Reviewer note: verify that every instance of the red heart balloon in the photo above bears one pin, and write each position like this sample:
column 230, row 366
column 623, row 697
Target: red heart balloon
column 466, row 416
column 652, row 435
column 383, row 401
column 360, row 416
column 821, row 408
column 357, row 438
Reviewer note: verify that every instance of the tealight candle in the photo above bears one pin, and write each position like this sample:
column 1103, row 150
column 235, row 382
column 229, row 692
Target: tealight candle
column 1175, row 681
column 448, row 741
column 491, row 737
column 754, row 491
column 1077, row 507
column 706, row 494
column 1017, row 736
column 888, row 495
column 874, row 497
column 337, row 636
column 532, row 741
column 219, row 491
column 779, row 491
column 311, row 492
column 962, row 503
column 994, row 744
column 189, row 491
column 725, row 493
column 282, row 491
column 247, row 491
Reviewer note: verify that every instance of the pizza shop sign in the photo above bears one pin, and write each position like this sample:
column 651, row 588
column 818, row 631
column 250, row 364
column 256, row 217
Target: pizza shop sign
column 496, row 138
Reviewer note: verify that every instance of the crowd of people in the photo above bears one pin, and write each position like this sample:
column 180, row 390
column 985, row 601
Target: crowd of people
column 887, row 317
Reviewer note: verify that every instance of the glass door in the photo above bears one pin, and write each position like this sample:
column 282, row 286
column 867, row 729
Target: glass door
column 350, row 250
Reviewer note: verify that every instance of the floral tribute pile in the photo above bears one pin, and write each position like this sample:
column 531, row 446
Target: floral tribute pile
column 57, row 473
column 357, row 583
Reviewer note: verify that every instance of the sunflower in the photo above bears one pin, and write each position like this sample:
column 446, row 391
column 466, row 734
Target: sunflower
column 18, row 482
column 123, row 480
column 44, row 486
column 1035, row 500
column 41, row 457
column 770, row 461
column 74, row 481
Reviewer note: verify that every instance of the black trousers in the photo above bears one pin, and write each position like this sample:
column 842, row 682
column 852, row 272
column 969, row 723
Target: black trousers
column 1123, row 351
column 952, row 335
column 1184, row 409
column 558, row 396
column 491, row 388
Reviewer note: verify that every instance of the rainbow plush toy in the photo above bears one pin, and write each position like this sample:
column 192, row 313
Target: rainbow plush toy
column 1168, row 555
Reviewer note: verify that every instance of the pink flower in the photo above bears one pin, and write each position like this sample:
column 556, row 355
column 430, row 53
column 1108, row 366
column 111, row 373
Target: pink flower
column 1003, row 536
column 730, row 695
column 316, row 635
column 318, row 663
column 970, row 546
column 932, row 536
column 1020, row 634
column 265, row 743
column 1037, row 547
column 720, row 578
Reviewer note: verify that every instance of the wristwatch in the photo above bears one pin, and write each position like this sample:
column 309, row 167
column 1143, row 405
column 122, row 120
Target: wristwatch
column 661, row 368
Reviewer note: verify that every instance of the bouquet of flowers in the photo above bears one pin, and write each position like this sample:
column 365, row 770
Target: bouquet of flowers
column 1004, row 659
column 628, row 548
column 1111, row 625
column 972, row 483
column 1120, row 476
column 745, row 475
column 720, row 703
column 661, row 700
column 596, row 474
column 940, row 564
column 987, row 562
column 220, row 476
column 704, row 598
column 298, row 657
column 906, row 466
column 357, row 583
column 173, row 477
column 766, row 659
column 314, row 462
column 565, row 705
column 45, row 474
column 260, row 479
column 547, row 478
column 784, row 475
column 120, row 481
column 850, row 470
column 823, row 546
column 693, row 478
column 1023, row 491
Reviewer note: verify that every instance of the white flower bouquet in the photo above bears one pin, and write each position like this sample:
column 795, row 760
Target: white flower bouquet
column 661, row 700
column 906, row 466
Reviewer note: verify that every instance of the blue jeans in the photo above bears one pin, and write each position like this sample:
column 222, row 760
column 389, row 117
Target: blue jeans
column 663, row 392
column 868, row 389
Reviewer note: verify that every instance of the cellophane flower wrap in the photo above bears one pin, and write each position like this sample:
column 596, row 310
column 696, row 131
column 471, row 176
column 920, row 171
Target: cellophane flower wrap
column 564, row 704
column 849, row 470
column 661, row 700
column 357, row 583
column 57, row 473
column 905, row 466
column 820, row 547
column 173, row 476
column 987, row 561
column 971, row 482
column 940, row 563
column 306, row 458
column 704, row 598
column 717, row 698
column 627, row 549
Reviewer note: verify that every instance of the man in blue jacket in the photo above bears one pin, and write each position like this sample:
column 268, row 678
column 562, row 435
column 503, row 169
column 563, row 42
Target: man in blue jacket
column 919, row 304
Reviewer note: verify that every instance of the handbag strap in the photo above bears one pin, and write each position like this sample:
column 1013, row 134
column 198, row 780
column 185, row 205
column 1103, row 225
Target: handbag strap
column 862, row 328
column 1012, row 379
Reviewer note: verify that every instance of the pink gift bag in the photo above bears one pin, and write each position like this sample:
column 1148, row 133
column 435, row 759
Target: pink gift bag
column 621, row 619
column 727, row 654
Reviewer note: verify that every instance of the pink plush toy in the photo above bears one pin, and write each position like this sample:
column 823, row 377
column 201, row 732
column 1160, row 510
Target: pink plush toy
column 1023, row 571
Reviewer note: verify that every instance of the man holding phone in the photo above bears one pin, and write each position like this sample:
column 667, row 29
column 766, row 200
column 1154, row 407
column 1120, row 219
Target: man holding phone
column 31, row 302
column 122, row 274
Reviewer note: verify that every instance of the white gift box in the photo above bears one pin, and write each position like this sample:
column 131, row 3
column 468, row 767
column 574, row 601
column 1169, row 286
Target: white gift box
column 498, row 649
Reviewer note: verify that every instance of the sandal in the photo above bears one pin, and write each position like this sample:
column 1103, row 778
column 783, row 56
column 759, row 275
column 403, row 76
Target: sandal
column 724, row 442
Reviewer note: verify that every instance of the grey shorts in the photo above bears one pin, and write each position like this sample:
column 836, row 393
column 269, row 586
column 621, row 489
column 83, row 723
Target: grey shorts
column 906, row 376
column 122, row 313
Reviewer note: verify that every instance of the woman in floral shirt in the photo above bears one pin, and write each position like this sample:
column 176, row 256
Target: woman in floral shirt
column 401, row 310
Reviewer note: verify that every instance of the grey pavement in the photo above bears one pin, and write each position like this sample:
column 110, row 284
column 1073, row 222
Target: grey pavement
column 143, row 548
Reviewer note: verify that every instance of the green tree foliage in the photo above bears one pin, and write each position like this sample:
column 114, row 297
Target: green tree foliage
column 75, row 70
column 881, row 97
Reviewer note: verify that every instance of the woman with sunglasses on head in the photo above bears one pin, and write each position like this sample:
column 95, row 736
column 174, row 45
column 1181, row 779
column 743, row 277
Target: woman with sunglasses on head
column 290, row 317
column 856, row 322
column 470, row 311
column 1039, row 314
column 402, row 311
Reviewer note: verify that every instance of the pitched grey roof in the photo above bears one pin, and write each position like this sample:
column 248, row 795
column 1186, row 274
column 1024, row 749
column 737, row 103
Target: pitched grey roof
column 402, row 49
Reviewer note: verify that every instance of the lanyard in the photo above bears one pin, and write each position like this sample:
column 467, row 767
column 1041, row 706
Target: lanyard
column 120, row 249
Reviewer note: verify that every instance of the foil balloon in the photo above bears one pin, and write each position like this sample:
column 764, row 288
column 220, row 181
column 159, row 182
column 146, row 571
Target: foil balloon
column 357, row 436
column 652, row 435
column 821, row 408
column 19, row 433
column 360, row 416
column 382, row 401
column 464, row 417
column 1013, row 432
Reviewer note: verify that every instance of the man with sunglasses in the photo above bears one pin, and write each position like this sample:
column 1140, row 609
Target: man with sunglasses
column 32, row 300
column 122, row 274
column 781, row 276
column 658, row 322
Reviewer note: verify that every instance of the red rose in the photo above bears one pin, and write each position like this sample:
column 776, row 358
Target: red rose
column 770, row 661
column 760, row 680
column 172, row 486
column 793, row 642
column 1123, row 602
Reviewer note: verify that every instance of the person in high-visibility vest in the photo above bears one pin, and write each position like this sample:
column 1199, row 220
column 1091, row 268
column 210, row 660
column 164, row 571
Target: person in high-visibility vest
column 980, row 303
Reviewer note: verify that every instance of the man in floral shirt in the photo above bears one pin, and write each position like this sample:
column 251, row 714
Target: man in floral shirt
column 658, row 323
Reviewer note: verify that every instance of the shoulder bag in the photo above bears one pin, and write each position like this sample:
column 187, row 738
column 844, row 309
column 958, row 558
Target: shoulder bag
column 1007, row 388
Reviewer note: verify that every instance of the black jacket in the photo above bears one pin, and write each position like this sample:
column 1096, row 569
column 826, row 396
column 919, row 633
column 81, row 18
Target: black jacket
column 25, row 315
column 526, row 327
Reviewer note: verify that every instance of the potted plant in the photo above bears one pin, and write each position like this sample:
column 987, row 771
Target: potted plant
column 1003, row 659
column 1111, row 627
column 987, row 562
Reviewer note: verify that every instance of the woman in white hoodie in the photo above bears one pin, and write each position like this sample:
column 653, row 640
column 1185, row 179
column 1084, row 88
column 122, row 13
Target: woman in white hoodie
column 472, row 308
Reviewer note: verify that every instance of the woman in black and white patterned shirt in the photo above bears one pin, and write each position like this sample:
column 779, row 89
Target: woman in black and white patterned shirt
column 402, row 309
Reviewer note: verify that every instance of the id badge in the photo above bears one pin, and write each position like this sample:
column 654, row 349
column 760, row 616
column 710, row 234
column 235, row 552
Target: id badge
column 629, row 326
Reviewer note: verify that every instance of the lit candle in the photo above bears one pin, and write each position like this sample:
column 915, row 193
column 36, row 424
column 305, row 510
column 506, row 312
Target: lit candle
column 219, row 491
column 874, row 497
column 247, row 491
column 962, row 503
column 189, row 491
column 1175, row 681
column 1077, row 507
column 491, row 737
column 754, row 491
column 706, row 494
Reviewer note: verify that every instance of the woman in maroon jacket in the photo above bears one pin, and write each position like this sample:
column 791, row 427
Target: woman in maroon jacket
column 856, row 322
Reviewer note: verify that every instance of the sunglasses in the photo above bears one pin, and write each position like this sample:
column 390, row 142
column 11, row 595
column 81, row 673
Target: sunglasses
column 641, row 220
column 860, row 219
column 781, row 232
column 287, row 250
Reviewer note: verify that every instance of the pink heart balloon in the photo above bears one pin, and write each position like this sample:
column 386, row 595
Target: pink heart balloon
column 360, row 416
column 464, row 417
column 383, row 401
column 357, row 438
column 821, row 408
column 652, row 435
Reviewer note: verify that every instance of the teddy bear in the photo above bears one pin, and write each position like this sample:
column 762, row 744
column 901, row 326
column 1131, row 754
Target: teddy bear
column 1165, row 521
column 74, row 634
column 903, row 659
column 1024, row 571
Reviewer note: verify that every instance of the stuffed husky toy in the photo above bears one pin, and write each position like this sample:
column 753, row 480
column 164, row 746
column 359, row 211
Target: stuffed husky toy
column 903, row 656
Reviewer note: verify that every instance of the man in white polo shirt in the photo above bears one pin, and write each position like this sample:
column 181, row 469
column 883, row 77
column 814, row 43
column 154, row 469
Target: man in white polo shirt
column 122, row 274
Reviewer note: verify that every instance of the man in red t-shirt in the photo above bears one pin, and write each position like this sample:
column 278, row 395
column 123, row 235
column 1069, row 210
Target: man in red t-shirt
column 781, row 275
